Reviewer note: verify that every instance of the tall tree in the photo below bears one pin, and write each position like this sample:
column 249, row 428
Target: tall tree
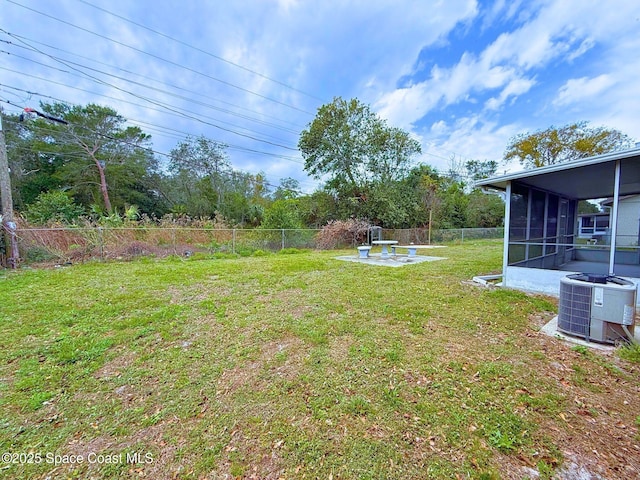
column 244, row 199
column 203, row 158
column 98, row 135
column 204, row 184
column 283, row 213
column 477, row 170
column 202, row 170
column 92, row 155
column 353, row 147
column 484, row 210
column 317, row 209
column 288, row 188
column 32, row 171
column 358, row 154
column 571, row 142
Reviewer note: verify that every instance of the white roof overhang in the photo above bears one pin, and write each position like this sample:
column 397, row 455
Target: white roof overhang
column 583, row 179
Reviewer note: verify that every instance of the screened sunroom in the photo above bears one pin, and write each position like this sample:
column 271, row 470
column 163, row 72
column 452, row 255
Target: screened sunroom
column 543, row 240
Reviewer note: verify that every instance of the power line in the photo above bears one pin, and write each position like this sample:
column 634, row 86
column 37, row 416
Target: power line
column 229, row 84
column 203, row 51
column 79, row 155
column 183, row 135
column 83, row 90
column 154, row 102
column 147, row 78
column 161, row 91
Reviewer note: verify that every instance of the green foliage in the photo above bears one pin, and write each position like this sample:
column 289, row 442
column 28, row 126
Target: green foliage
column 111, row 220
column 570, row 142
column 484, row 210
column 53, row 207
column 389, row 204
column 581, row 349
column 289, row 188
column 95, row 156
column 107, row 166
column 362, row 157
column 630, row 353
column 478, row 170
column 282, row 214
column 367, row 165
column 452, row 211
column 132, row 213
column 38, row 254
column 202, row 183
column 318, row 208
column 587, row 207
column 32, row 172
column 203, row 162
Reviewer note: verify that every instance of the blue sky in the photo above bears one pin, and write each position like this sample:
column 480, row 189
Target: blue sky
column 462, row 76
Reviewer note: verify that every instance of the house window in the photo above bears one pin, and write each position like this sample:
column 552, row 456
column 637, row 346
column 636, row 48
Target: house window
column 591, row 225
column 602, row 225
column 587, row 226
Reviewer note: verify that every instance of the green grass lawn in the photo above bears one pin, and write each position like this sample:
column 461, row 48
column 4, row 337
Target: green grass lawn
column 300, row 366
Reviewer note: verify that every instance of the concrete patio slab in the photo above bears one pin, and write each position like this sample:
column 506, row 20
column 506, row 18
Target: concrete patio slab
column 551, row 329
column 390, row 261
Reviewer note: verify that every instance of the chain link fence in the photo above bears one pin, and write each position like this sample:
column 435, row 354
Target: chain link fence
column 76, row 244
column 80, row 244
column 424, row 236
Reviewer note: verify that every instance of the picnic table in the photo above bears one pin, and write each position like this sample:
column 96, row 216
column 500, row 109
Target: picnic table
column 384, row 244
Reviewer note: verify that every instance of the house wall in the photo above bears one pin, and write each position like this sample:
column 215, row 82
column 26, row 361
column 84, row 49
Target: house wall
column 535, row 280
column 547, row 282
column 622, row 257
column 628, row 221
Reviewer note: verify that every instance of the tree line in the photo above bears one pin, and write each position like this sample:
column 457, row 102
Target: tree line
column 85, row 162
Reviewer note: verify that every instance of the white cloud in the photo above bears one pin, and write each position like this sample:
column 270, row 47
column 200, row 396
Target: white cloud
column 514, row 89
column 586, row 45
column 557, row 32
column 469, row 138
column 582, row 89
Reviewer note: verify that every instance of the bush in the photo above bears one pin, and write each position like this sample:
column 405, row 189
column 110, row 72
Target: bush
column 52, row 207
column 342, row 233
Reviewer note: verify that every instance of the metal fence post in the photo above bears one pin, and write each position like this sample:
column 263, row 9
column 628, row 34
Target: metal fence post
column 101, row 243
column 282, row 239
column 233, row 241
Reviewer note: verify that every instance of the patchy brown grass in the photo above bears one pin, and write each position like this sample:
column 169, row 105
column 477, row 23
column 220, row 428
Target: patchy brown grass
column 301, row 366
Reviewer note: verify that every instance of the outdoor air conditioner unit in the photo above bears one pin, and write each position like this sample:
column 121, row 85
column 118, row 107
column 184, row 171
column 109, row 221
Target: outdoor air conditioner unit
column 597, row 307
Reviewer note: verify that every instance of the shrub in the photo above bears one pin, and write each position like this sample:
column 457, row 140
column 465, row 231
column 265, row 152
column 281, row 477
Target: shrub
column 52, row 207
column 338, row 233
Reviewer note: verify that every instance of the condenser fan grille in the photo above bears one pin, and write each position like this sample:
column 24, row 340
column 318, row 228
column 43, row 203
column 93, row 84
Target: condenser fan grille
column 574, row 309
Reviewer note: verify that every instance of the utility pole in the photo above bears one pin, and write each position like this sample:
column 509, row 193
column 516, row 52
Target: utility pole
column 9, row 226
